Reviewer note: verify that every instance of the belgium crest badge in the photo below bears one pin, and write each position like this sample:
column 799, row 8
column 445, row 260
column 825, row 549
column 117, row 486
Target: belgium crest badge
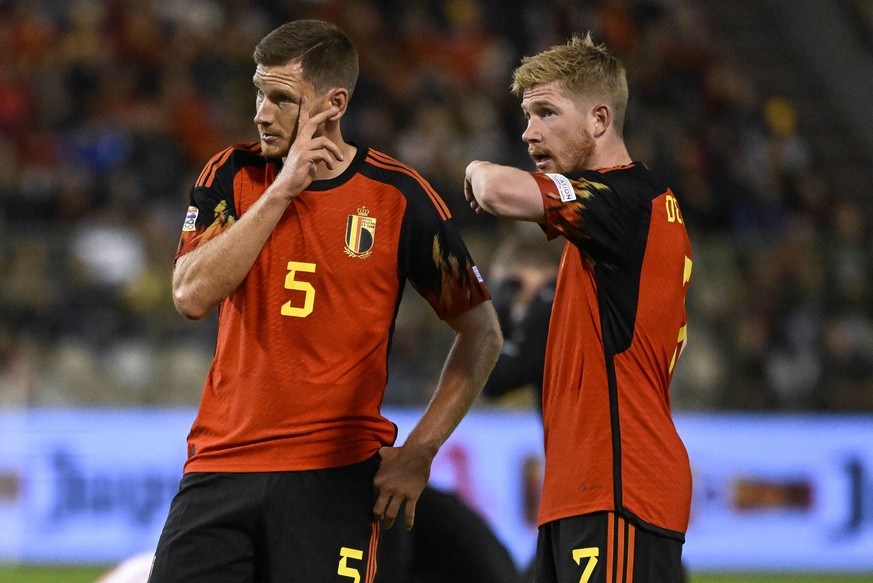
column 360, row 234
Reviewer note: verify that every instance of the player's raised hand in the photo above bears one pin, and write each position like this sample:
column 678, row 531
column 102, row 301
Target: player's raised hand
column 308, row 149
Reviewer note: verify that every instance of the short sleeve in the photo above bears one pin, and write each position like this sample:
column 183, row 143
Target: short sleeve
column 210, row 208
column 435, row 260
column 586, row 211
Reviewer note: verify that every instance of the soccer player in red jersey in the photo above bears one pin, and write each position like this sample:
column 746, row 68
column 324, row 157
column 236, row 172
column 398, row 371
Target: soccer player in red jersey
column 304, row 242
column 617, row 485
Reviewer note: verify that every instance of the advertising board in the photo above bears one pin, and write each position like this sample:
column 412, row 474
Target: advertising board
column 770, row 492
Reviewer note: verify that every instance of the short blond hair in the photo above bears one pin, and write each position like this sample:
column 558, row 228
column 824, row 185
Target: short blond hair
column 580, row 66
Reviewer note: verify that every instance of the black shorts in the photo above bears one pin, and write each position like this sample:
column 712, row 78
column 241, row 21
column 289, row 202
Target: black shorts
column 294, row 527
column 603, row 547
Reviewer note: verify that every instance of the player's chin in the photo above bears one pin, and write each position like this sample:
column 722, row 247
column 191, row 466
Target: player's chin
column 274, row 148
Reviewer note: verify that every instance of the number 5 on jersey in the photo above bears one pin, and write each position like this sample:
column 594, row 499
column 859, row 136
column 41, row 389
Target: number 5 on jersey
column 293, row 308
column 343, row 569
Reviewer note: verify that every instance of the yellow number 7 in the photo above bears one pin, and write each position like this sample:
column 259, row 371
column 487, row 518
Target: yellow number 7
column 591, row 554
column 304, row 286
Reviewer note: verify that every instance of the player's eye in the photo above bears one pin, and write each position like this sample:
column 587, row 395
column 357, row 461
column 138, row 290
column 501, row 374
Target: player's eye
column 283, row 99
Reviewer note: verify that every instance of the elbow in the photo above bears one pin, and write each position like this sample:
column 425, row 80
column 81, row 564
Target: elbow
column 189, row 295
column 186, row 304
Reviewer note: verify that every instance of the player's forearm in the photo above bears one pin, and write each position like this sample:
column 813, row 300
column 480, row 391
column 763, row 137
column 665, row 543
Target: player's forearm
column 209, row 273
column 468, row 364
column 504, row 191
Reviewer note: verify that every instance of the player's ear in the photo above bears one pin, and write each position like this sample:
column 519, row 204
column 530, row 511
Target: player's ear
column 339, row 98
column 602, row 117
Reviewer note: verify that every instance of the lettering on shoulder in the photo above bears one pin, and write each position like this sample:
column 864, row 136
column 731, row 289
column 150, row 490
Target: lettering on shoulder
column 565, row 187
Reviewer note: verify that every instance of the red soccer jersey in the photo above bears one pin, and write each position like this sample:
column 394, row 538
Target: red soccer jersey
column 618, row 325
column 300, row 365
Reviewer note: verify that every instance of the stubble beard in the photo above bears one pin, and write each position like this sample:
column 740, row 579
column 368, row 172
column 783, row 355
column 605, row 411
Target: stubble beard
column 580, row 152
column 576, row 155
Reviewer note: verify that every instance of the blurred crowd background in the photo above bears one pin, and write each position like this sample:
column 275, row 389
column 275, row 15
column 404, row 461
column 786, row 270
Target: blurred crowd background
column 109, row 110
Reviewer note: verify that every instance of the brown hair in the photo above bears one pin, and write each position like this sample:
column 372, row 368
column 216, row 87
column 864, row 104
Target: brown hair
column 328, row 57
column 581, row 67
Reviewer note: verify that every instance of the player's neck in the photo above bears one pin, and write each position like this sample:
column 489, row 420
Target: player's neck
column 322, row 172
column 609, row 155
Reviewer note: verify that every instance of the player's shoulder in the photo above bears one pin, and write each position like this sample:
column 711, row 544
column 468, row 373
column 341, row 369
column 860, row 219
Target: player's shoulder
column 379, row 165
column 637, row 172
column 388, row 170
column 231, row 159
column 635, row 178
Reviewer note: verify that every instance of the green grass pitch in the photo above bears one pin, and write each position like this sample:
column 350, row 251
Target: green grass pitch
column 34, row 574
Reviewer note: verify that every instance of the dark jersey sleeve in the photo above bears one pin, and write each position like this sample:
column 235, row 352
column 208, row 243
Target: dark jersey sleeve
column 434, row 258
column 588, row 212
column 211, row 207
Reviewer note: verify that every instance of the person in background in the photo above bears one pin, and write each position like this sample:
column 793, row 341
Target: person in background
column 617, row 482
column 522, row 290
column 451, row 543
column 304, row 241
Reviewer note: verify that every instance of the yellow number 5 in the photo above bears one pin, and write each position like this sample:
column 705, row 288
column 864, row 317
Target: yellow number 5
column 589, row 553
column 304, row 286
column 346, row 571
